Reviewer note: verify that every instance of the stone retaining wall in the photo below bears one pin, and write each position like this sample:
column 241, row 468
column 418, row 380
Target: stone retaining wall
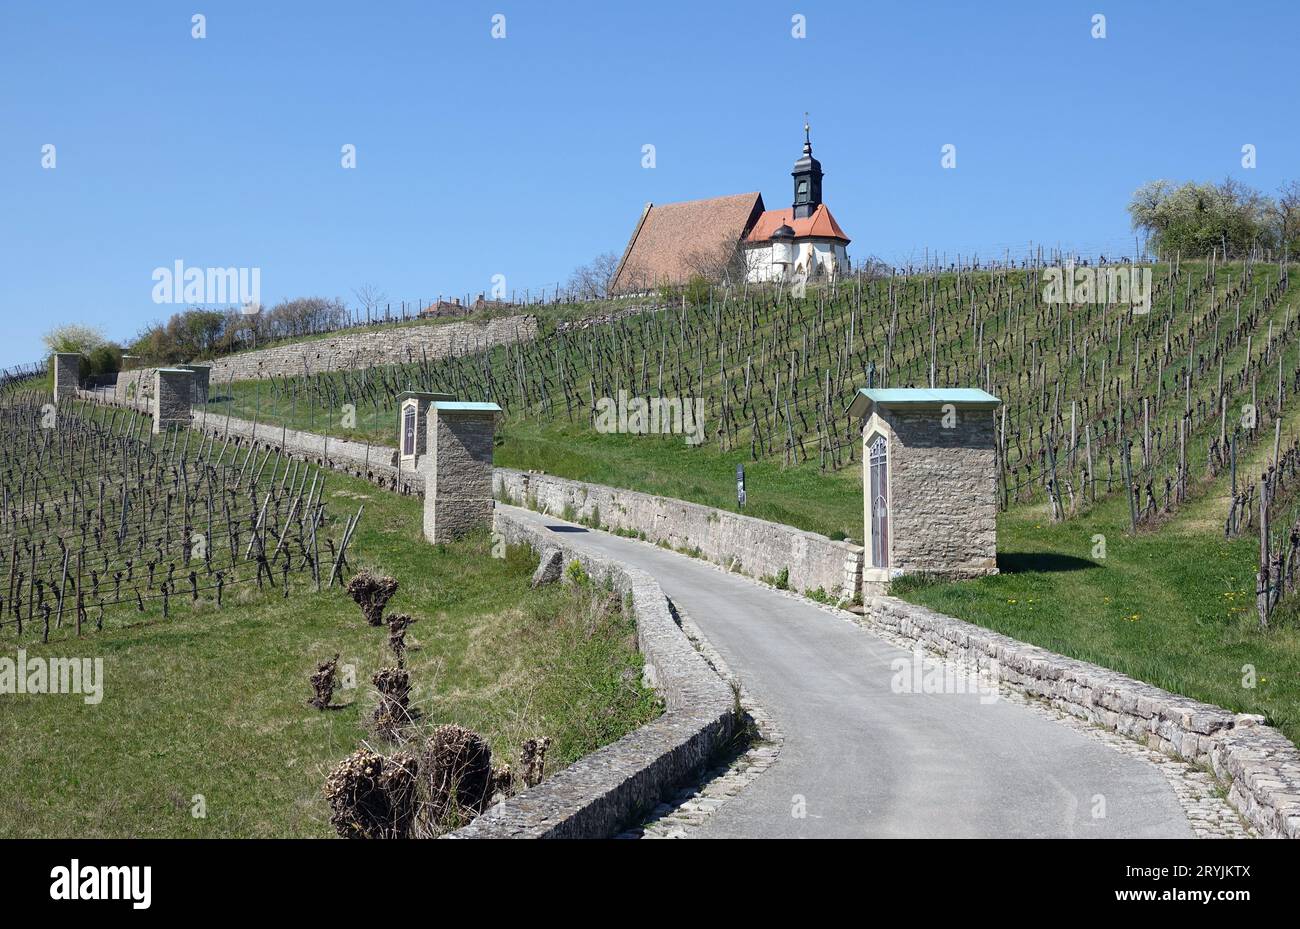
column 601, row 793
column 136, row 384
column 374, row 463
column 750, row 546
column 395, row 345
column 1262, row 765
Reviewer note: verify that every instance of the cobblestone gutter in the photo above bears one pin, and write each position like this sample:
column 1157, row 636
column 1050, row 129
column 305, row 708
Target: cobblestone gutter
column 1260, row 763
column 601, row 794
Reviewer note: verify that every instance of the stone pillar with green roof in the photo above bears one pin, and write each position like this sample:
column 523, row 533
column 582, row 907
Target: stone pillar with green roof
column 173, row 397
column 930, row 476
column 458, row 475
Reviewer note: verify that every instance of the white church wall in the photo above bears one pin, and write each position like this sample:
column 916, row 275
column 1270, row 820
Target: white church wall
column 760, row 268
column 826, row 256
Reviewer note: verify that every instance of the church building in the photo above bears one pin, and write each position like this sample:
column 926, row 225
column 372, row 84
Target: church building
column 736, row 238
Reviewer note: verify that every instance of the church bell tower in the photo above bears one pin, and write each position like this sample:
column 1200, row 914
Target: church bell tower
column 807, row 176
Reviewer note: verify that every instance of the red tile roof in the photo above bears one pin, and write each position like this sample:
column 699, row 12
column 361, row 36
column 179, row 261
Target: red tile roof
column 820, row 224
column 674, row 240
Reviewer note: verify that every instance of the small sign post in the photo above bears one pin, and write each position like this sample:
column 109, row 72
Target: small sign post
column 740, row 486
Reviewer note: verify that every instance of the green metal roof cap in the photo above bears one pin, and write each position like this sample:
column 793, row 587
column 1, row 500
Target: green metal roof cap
column 454, row 406
column 919, row 396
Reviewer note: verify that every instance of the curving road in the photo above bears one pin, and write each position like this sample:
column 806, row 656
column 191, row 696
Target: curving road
column 869, row 762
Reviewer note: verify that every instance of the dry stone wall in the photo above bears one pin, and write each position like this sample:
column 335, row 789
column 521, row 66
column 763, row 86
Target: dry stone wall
column 132, row 386
column 602, row 793
column 396, row 345
column 1262, row 765
column 750, row 546
column 594, row 796
column 377, row 464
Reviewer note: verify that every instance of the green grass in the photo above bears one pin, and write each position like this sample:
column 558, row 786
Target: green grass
column 213, row 702
column 1173, row 607
column 799, row 495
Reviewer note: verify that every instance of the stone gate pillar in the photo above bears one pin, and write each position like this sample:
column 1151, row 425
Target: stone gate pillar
column 202, row 378
column 67, row 375
column 412, row 427
column 458, row 476
column 173, row 393
column 930, row 482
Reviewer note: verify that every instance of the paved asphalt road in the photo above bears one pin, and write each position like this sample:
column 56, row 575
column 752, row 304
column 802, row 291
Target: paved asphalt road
column 869, row 762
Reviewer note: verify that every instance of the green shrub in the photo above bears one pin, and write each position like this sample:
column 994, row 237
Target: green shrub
column 820, row 595
column 106, row 359
column 698, row 290
column 577, row 573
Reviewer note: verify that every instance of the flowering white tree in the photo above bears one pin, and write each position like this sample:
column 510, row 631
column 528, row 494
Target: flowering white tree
column 74, row 338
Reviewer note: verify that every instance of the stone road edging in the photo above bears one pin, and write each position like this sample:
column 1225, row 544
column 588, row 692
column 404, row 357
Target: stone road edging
column 754, row 547
column 602, row 793
column 1262, row 765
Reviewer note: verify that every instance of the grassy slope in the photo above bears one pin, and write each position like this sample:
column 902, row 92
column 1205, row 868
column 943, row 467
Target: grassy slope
column 213, row 702
column 798, row 495
column 1172, row 606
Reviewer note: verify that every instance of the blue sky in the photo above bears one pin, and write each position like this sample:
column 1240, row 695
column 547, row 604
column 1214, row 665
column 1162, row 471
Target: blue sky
column 522, row 156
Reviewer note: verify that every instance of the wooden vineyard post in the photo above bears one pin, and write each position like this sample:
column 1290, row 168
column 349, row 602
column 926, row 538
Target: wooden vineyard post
column 341, row 560
column 1262, row 583
column 1127, row 451
column 80, row 596
column 63, row 584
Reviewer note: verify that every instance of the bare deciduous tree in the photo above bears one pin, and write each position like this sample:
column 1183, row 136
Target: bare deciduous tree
column 593, row 280
column 370, row 297
column 722, row 264
column 1288, row 214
